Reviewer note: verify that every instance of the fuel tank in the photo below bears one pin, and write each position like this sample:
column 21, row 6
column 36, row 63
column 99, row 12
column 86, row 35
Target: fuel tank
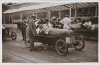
column 57, row 32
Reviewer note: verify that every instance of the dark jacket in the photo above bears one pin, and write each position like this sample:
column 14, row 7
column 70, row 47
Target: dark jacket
column 32, row 28
column 58, row 25
column 23, row 25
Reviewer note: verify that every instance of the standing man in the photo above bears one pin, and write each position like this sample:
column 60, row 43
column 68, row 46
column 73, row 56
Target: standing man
column 18, row 25
column 66, row 21
column 32, row 32
column 23, row 28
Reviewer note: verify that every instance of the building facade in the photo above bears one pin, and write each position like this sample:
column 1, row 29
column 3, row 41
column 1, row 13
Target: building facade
column 73, row 10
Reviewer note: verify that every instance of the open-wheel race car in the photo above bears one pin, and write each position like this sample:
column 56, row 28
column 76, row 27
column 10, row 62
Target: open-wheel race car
column 90, row 30
column 62, row 40
column 9, row 31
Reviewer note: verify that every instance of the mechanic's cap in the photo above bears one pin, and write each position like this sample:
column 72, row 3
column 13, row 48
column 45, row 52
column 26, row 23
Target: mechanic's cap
column 53, row 18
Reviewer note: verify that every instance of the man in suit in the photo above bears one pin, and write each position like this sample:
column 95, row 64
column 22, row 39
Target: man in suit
column 32, row 32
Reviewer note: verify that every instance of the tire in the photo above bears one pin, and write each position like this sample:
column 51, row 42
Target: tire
column 61, row 47
column 6, row 32
column 13, row 35
column 79, row 43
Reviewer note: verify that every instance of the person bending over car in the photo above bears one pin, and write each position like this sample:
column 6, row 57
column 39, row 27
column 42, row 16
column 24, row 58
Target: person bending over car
column 66, row 21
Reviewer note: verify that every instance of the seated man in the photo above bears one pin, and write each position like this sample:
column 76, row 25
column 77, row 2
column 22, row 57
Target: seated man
column 87, row 24
column 58, row 24
column 42, row 27
column 66, row 21
column 94, row 27
column 39, row 26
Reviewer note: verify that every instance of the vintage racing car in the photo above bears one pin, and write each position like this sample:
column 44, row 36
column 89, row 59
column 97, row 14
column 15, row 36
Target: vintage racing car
column 8, row 31
column 62, row 39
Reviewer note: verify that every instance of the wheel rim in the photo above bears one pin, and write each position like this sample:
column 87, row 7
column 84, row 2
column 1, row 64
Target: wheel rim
column 61, row 48
column 79, row 43
column 13, row 35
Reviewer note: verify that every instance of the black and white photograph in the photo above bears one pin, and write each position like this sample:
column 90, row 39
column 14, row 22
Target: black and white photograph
column 50, row 32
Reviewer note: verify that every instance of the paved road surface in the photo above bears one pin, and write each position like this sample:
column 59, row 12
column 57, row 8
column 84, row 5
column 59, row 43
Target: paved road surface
column 14, row 51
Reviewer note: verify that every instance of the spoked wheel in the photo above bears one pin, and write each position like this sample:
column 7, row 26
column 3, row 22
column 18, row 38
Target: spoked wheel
column 13, row 35
column 79, row 43
column 7, row 32
column 61, row 47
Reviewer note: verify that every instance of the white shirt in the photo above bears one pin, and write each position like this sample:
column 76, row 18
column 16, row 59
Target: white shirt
column 36, row 23
column 50, row 25
column 38, row 30
column 87, row 23
column 94, row 26
column 67, row 22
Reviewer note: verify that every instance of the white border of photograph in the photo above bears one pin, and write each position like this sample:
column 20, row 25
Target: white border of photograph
column 55, row 1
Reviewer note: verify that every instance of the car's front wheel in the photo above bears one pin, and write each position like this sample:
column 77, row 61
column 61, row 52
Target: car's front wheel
column 61, row 47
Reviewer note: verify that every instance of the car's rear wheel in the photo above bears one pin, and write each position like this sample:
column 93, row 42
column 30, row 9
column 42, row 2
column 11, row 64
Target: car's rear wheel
column 79, row 43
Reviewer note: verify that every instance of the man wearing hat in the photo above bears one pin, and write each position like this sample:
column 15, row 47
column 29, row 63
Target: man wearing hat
column 66, row 21
column 53, row 20
column 58, row 24
column 32, row 32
